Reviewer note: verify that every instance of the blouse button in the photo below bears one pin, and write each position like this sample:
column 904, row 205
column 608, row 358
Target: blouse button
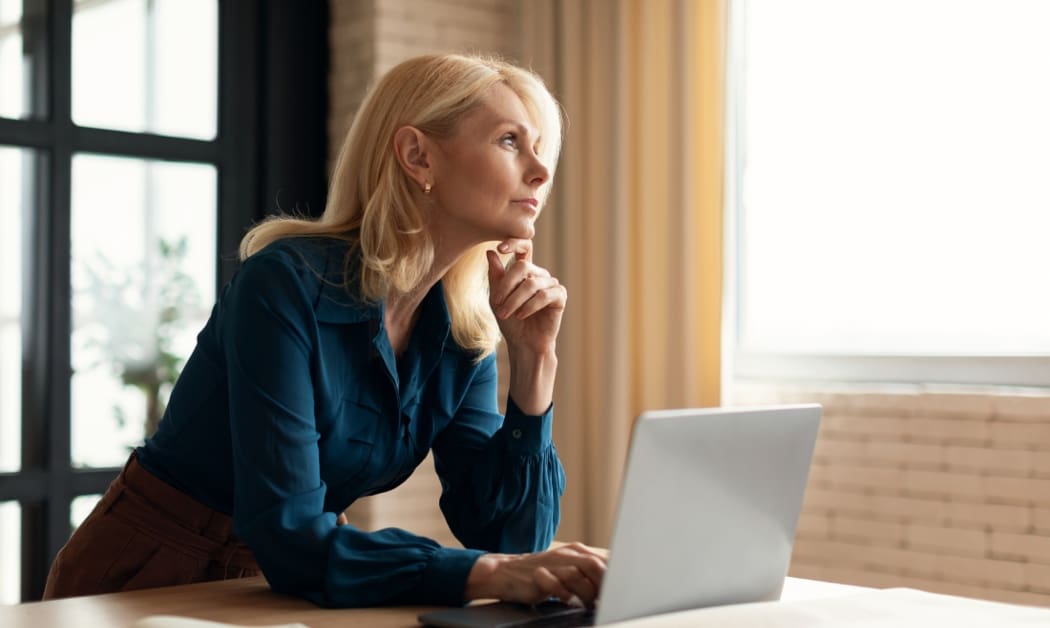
column 516, row 433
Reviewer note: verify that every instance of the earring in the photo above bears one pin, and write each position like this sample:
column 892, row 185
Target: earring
column 426, row 187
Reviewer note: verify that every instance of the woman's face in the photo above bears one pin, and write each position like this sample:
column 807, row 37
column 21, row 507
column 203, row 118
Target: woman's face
column 487, row 175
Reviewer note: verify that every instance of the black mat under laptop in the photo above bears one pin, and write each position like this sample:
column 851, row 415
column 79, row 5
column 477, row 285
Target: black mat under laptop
column 507, row 615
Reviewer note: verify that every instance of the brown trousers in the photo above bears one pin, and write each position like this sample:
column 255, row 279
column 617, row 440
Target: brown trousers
column 145, row 533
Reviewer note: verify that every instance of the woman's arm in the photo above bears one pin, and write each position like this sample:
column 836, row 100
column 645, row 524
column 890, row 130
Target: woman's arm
column 519, row 469
column 501, row 478
column 502, row 484
column 269, row 332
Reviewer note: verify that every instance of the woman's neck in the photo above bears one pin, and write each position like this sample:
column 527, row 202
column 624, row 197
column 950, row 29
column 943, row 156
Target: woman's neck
column 402, row 308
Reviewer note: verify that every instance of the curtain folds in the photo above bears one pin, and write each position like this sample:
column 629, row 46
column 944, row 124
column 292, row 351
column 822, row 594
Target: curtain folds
column 634, row 225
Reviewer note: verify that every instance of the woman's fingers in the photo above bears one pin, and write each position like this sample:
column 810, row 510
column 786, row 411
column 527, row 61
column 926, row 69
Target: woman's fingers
column 574, row 580
column 554, row 296
column 549, row 585
column 517, row 284
column 580, row 548
column 530, row 296
column 521, row 248
column 564, row 582
column 586, row 561
column 578, row 569
column 570, row 571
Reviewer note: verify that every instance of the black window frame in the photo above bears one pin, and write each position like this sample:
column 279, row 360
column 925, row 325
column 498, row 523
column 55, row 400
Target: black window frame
column 271, row 144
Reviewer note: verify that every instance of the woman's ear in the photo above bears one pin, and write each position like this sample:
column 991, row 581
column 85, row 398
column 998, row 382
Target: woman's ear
column 412, row 148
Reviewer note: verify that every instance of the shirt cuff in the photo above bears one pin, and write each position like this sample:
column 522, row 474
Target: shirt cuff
column 445, row 576
column 525, row 434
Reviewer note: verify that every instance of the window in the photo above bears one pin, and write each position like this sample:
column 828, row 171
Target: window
column 158, row 60
column 137, row 138
column 136, row 308
column 16, row 167
column 12, row 97
column 887, row 190
column 10, row 541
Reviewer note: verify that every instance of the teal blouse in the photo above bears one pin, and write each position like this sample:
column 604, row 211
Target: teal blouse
column 293, row 405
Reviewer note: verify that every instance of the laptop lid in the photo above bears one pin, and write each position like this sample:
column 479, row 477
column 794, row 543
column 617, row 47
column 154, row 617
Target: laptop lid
column 708, row 509
column 706, row 517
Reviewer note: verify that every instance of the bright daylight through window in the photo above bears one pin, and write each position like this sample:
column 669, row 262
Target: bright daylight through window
column 108, row 229
column 890, row 186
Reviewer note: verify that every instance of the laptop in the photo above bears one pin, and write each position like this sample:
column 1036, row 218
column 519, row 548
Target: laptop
column 706, row 517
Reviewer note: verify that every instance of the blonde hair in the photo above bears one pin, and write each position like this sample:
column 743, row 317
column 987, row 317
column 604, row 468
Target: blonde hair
column 370, row 200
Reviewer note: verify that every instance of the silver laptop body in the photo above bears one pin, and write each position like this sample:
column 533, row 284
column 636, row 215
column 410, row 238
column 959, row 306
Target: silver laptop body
column 708, row 509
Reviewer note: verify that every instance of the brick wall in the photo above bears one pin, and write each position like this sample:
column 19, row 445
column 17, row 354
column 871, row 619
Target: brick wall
column 942, row 490
column 406, row 28
column 352, row 62
column 368, row 37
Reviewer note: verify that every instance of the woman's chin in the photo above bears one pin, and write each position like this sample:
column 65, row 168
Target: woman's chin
column 527, row 233
column 526, row 230
column 520, row 233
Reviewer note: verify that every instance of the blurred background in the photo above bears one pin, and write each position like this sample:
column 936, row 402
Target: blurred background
column 839, row 201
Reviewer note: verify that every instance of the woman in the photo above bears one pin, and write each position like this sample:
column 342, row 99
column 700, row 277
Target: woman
column 347, row 348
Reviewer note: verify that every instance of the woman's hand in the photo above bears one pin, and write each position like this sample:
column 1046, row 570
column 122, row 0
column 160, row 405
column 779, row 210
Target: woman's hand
column 527, row 300
column 573, row 570
column 528, row 303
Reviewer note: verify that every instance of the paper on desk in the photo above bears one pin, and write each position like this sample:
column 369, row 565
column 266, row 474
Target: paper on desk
column 896, row 608
column 173, row 621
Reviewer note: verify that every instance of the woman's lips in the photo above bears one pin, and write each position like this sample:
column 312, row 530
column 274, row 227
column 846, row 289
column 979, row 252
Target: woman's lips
column 531, row 203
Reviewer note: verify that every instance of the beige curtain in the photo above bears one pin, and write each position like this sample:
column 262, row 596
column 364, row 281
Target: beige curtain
column 634, row 227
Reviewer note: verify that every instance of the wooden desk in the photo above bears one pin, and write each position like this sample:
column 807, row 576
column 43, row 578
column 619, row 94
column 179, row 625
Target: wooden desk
column 250, row 602
column 246, row 601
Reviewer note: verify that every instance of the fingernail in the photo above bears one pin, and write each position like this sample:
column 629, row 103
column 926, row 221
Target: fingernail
column 503, row 248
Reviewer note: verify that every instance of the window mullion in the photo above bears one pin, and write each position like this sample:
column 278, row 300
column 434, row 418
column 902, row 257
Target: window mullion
column 240, row 160
column 46, row 424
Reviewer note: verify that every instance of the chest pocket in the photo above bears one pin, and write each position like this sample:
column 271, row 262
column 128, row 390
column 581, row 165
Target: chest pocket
column 349, row 449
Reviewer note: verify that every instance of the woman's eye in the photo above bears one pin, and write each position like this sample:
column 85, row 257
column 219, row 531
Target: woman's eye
column 509, row 140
